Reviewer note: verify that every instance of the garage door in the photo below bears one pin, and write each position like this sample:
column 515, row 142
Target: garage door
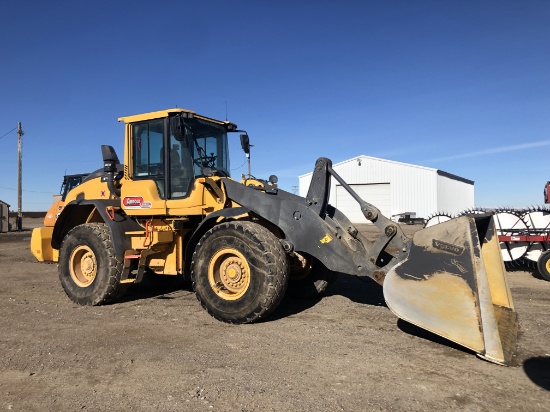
column 378, row 194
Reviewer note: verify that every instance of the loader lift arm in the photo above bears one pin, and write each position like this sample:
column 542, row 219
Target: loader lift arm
column 390, row 233
column 313, row 226
column 449, row 279
column 331, row 238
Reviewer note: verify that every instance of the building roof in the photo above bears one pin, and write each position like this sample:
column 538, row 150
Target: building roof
column 363, row 157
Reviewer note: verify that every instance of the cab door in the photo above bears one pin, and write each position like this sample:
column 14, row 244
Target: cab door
column 143, row 192
column 185, row 196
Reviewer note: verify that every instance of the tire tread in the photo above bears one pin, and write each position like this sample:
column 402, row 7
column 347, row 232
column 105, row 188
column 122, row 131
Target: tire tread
column 114, row 289
column 266, row 245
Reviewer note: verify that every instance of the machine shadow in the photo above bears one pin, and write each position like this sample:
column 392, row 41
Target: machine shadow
column 524, row 265
column 362, row 290
column 359, row 290
column 537, row 370
column 417, row 331
column 159, row 287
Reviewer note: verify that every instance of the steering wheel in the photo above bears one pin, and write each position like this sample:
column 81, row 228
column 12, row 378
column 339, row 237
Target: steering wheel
column 207, row 161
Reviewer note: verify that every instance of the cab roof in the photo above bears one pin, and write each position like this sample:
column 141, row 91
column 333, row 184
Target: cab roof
column 165, row 113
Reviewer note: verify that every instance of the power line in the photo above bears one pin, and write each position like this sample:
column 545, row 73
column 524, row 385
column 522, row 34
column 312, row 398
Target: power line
column 28, row 191
column 4, row 135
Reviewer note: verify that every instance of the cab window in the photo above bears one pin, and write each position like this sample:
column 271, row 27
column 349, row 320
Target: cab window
column 148, row 155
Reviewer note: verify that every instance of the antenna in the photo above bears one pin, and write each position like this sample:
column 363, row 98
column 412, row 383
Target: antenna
column 226, row 110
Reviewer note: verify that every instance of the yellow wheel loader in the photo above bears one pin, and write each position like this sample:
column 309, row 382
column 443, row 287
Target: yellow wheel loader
column 175, row 210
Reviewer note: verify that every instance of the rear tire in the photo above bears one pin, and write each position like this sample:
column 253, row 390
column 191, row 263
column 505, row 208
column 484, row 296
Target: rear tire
column 239, row 272
column 543, row 265
column 89, row 270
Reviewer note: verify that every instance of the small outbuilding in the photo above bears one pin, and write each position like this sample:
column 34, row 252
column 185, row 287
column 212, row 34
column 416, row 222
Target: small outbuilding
column 396, row 188
column 4, row 217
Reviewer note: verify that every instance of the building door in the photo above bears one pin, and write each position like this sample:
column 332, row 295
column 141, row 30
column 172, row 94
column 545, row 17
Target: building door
column 378, row 194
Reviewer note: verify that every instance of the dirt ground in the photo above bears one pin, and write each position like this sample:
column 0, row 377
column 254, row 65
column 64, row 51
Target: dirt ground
column 158, row 350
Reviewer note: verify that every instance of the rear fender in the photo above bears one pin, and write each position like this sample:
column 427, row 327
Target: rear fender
column 79, row 211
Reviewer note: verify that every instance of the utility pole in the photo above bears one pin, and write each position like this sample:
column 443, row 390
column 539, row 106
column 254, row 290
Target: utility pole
column 19, row 221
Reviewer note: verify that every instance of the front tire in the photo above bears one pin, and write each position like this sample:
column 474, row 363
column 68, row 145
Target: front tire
column 543, row 265
column 239, row 272
column 89, row 269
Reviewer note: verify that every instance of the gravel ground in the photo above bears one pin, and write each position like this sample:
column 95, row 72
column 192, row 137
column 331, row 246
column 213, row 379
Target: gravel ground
column 157, row 350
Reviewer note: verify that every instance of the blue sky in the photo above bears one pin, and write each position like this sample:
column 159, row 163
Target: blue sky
column 462, row 86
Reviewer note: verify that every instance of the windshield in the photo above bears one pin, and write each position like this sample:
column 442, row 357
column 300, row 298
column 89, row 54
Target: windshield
column 210, row 147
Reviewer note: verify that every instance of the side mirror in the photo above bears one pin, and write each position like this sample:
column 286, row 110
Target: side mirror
column 245, row 143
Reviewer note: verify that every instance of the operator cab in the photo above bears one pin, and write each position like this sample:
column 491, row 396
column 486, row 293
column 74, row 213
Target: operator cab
column 174, row 147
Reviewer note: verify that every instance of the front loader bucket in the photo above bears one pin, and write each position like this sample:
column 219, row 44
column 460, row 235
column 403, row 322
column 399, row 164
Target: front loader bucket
column 453, row 284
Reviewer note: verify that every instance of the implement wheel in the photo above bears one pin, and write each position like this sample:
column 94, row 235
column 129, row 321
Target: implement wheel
column 308, row 276
column 89, row 270
column 239, row 272
column 543, row 265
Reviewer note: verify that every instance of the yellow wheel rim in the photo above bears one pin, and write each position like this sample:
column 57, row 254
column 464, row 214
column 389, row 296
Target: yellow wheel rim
column 229, row 274
column 548, row 266
column 83, row 266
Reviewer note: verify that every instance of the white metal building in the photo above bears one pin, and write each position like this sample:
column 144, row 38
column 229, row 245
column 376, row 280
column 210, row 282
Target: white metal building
column 395, row 188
